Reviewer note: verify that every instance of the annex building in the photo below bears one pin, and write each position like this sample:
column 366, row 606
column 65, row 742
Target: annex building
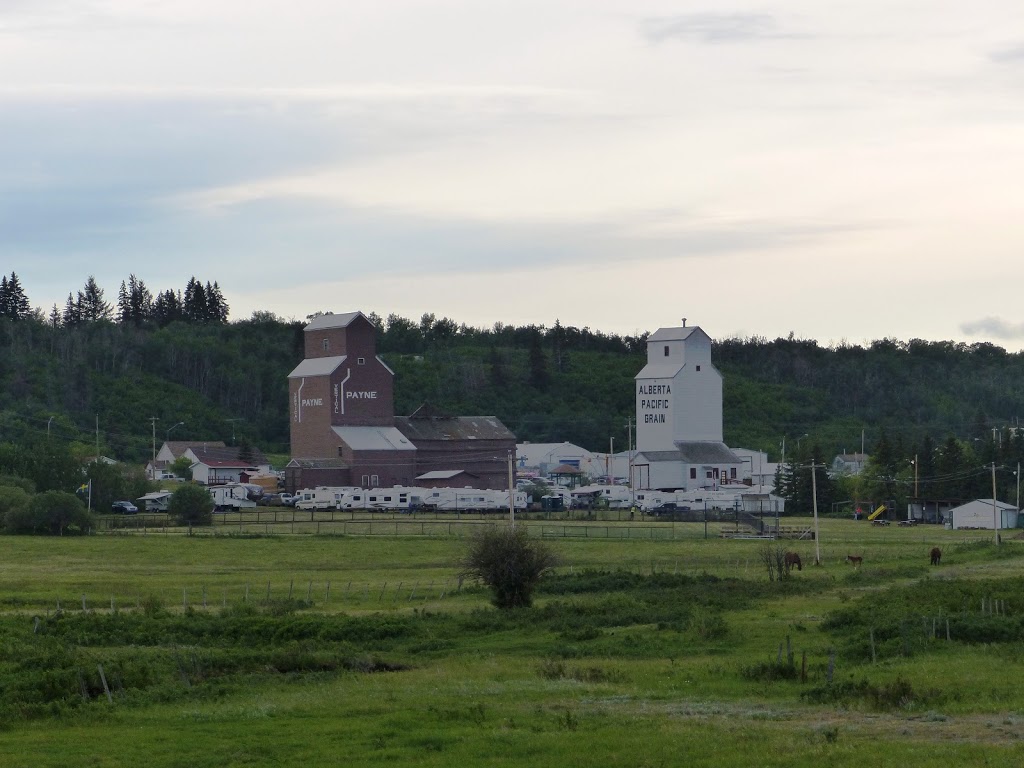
column 344, row 431
column 679, row 416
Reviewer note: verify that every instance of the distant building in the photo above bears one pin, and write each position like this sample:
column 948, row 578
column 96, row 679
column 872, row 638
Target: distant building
column 980, row 513
column 679, row 416
column 541, row 458
column 849, row 463
column 344, row 431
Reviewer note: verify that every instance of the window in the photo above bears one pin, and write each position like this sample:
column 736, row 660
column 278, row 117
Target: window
column 375, row 479
column 361, row 360
column 698, row 367
column 693, row 473
column 732, row 472
column 339, row 450
column 326, row 344
column 666, row 350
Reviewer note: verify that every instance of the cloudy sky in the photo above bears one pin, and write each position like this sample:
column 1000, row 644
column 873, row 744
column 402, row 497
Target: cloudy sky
column 846, row 170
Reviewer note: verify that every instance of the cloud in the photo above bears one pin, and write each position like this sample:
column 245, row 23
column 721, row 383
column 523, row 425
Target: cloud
column 995, row 327
column 713, row 28
column 1012, row 55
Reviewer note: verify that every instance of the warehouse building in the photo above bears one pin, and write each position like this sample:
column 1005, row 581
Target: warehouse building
column 344, row 430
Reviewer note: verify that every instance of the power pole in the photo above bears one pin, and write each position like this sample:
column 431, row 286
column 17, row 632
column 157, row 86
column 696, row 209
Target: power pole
column 995, row 517
column 511, row 491
column 629, row 432
column 152, row 467
column 233, row 428
column 814, row 496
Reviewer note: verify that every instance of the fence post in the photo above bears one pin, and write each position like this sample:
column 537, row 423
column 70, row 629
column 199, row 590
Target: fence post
column 103, row 679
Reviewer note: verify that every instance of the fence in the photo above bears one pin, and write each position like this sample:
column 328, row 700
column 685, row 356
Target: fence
column 570, row 524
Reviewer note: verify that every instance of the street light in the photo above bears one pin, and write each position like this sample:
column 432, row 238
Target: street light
column 179, row 424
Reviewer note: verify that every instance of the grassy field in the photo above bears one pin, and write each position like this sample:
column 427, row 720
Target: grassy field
column 226, row 650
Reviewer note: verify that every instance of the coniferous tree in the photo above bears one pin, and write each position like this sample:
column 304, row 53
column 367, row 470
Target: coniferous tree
column 72, row 312
column 54, row 318
column 167, row 308
column 92, row 306
column 135, row 302
column 194, row 305
column 216, row 306
column 14, row 304
column 539, row 376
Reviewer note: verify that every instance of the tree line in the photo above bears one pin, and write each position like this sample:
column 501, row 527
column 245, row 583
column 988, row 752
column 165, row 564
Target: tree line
column 158, row 355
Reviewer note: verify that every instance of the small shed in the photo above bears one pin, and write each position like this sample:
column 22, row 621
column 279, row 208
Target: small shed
column 983, row 514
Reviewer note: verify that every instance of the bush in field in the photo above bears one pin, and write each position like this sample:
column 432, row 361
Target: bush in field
column 191, row 505
column 53, row 512
column 14, row 502
column 509, row 562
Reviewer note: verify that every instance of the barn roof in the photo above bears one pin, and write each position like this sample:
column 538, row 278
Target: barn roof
column 453, row 428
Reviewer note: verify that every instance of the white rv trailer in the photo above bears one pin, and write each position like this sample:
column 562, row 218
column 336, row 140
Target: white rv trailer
column 615, row 496
column 471, row 499
column 231, row 496
column 321, row 497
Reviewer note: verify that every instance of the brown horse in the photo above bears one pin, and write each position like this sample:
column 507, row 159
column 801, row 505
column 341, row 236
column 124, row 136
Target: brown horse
column 936, row 555
column 791, row 559
column 857, row 560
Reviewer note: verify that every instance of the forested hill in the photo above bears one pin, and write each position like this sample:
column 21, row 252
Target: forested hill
column 546, row 383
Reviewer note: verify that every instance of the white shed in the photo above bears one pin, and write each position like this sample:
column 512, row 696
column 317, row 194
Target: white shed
column 980, row 514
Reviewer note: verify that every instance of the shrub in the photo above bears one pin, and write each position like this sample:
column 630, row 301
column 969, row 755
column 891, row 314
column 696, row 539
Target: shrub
column 191, row 505
column 53, row 512
column 509, row 562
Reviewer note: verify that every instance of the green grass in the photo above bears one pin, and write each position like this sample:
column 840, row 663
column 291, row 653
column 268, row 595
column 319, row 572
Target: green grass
column 636, row 653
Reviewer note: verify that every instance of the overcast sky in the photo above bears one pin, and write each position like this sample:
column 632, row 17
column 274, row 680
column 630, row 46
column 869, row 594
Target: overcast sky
column 843, row 170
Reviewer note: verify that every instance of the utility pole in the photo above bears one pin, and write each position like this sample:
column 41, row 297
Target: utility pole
column 995, row 517
column 511, row 492
column 152, row 467
column 814, row 496
column 629, row 432
column 233, row 428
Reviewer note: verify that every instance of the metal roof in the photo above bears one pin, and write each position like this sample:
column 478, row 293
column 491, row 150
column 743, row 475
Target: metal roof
column 317, row 366
column 674, row 334
column 318, row 463
column 659, row 371
column 696, row 452
column 442, row 474
column 707, row 452
column 178, row 447
column 374, row 438
column 342, row 320
column 453, row 428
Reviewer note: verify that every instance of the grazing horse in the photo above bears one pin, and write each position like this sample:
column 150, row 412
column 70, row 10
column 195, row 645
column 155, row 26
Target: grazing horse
column 857, row 560
column 936, row 555
column 791, row 559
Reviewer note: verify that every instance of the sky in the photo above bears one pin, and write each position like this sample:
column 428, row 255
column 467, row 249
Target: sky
column 842, row 171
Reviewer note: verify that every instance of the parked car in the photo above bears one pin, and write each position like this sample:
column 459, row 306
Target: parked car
column 287, row 499
column 669, row 507
column 123, row 508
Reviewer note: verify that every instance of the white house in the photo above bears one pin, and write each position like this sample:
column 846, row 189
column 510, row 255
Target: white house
column 540, row 458
column 849, row 463
column 981, row 513
column 756, row 470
